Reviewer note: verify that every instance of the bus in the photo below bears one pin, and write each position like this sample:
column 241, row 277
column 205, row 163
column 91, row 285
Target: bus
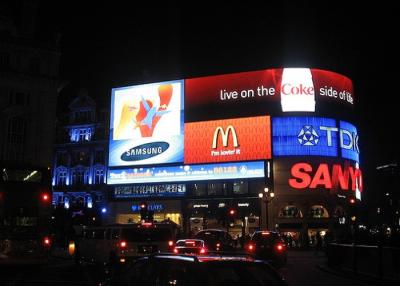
column 119, row 243
column 25, row 214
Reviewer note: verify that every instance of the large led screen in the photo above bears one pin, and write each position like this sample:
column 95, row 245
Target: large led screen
column 185, row 173
column 270, row 91
column 314, row 136
column 308, row 175
column 349, row 141
column 293, row 136
column 146, row 124
column 244, row 139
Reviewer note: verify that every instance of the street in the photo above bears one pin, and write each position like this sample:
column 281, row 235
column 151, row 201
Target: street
column 303, row 268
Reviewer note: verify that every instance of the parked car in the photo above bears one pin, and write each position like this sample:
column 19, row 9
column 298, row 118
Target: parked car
column 268, row 245
column 216, row 239
column 190, row 246
column 169, row 269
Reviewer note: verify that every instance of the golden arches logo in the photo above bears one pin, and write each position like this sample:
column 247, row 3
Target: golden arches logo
column 225, row 136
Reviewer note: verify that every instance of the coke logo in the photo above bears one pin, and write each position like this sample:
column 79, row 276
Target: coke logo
column 289, row 89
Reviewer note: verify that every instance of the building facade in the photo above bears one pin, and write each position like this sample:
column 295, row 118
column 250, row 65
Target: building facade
column 80, row 161
column 29, row 86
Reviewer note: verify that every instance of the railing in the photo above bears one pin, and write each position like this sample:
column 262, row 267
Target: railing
column 375, row 261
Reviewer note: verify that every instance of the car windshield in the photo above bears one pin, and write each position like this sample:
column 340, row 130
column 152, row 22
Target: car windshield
column 147, row 234
column 236, row 273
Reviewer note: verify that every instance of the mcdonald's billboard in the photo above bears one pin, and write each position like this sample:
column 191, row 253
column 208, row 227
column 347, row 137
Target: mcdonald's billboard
column 244, row 139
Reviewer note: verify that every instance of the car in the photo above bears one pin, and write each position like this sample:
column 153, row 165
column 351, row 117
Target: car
column 197, row 270
column 216, row 239
column 268, row 245
column 190, row 246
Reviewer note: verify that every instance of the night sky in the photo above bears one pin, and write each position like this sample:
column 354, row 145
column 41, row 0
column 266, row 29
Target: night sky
column 115, row 44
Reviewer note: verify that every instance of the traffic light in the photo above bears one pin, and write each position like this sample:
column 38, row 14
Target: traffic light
column 231, row 217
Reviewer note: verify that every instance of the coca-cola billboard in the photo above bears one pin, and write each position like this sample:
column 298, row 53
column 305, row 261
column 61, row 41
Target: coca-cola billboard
column 271, row 91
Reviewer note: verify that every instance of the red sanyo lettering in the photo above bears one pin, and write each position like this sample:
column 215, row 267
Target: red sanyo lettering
column 336, row 177
column 288, row 89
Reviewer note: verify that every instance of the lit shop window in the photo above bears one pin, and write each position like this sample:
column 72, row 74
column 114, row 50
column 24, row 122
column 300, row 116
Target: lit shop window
column 290, row 212
column 81, row 134
column 318, row 211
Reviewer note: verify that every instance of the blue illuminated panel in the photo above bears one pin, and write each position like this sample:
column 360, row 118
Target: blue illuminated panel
column 187, row 173
column 315, row 136
column 349, row 141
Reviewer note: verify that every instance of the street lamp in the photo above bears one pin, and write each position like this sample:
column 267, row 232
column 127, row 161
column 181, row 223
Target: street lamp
column 268, row 197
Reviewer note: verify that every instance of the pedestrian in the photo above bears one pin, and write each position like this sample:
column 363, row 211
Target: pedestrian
column 318, row 242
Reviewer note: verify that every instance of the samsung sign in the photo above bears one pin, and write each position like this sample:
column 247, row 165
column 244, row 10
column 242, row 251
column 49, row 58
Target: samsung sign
column 314, row 136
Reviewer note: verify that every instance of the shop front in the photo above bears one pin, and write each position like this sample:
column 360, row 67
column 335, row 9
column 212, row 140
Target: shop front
column 239, row 216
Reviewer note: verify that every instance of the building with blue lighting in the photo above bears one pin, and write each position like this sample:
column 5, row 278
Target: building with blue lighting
column 79, row 160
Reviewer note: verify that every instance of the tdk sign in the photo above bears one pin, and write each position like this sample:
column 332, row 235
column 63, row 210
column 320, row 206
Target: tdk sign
column 315, row 136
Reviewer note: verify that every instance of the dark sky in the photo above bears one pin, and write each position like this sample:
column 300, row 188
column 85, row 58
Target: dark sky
column 116, row 44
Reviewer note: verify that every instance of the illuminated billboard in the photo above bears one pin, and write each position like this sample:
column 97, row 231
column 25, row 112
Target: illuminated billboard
column 185, row 173
column 349, row 141
column 146, row 124
column 244, row 139
column 269, row 91
column 314, row 136
column 308, row 175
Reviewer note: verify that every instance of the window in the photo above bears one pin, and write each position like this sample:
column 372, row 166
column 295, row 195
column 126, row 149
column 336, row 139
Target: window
column 61, row 177
column 4, row 60
column 240, row 187
column 81, row 134
column 199, row 190
column 318, row 211
column 16, row 138
column 99, row 176
column 217, row 189
column 62, row 159
column 99, row 156
column 34, row 66
column 290, row 212
column 79, row 176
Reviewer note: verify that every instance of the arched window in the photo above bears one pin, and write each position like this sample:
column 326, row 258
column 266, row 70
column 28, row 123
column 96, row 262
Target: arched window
column 318, row 211
column 290, row 211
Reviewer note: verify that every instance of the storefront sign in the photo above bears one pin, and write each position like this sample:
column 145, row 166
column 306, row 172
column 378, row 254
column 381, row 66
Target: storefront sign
column 169, row 190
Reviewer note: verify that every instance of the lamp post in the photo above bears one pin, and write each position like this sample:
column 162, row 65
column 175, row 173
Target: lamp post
column 266, row 197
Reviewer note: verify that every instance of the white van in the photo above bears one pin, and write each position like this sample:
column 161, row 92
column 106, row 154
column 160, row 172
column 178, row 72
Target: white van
column 122, row 242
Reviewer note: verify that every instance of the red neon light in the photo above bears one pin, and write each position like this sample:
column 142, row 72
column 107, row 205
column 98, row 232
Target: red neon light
column 325, row 176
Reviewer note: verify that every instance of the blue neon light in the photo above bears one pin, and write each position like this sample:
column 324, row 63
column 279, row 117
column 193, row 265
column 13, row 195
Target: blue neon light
column 313, row 136
column 349, row 141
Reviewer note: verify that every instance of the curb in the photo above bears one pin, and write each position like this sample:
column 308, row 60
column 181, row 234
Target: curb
column 363, row 278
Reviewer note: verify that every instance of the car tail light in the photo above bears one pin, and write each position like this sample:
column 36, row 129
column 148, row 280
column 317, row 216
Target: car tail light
column 46, row 241
column 170, row 243
column 280, row 247
column 251, row 247
column 175, row 250
column 122, row 244
column 203, row 250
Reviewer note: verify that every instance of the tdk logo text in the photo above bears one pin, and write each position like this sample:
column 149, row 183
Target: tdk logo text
column 314, row 136
column 347, row 139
